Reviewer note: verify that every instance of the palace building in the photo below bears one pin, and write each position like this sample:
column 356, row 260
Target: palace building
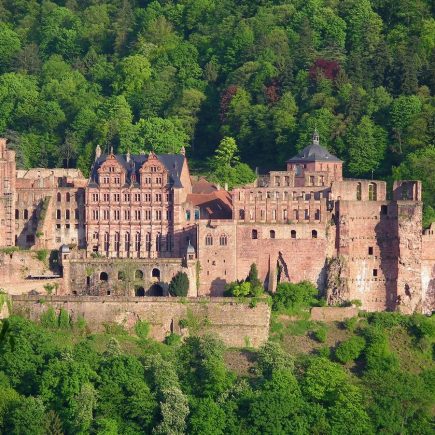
column 139, row 219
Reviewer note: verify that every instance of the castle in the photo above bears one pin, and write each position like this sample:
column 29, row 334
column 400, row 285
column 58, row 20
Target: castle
column 139, row 219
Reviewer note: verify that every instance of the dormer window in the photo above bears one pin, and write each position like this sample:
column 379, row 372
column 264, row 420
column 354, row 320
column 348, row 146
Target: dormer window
column 111, row 169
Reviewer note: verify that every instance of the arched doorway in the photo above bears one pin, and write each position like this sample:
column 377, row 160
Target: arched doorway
column 155, row 290
column 155, row 274
column 139, row 291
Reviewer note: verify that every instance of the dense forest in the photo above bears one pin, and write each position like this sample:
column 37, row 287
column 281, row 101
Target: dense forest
column 142, row 75
column 370, row 374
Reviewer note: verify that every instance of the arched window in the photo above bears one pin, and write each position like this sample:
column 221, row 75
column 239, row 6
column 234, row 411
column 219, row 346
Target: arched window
column 272, row 234
column 68, row 197
column 59, row 197
column 358, row 192
column 317, row 215
column 158, row 242
column 58, row 214
column 293, row 234
column 148, row 241
column 242, row 214
column 314, row 234
column 155, row 273
column 254, row 234
column 117, row 242
column 208, row 240
column 106, row 242
column 373, row 194
column 67, row 214
column 296, row 215
column 127, row 242
column 138, row 274
column 104, row 276
column 121, row 275
column 223, row 240
column 26, row 214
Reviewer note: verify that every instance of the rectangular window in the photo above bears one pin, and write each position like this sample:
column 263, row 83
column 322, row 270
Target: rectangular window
column 137, row 197
column 370, row 250
column 106, row 197
column 127, row 215
column 147, row 197
column 116, row 215
column 95, row 215
column 158, row 215
column 126, row 197
column 137, row 215
column 95, row 197
column 375, row 272
column 116, row 197
column 106, row 215
column 148, row 215
column 158, row 197
column 168, row 215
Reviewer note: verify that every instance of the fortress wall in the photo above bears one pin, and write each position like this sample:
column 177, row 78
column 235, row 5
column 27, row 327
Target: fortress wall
column 428, row 272
column 235, row 323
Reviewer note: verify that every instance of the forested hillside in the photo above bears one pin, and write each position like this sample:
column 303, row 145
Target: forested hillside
column 158, row 75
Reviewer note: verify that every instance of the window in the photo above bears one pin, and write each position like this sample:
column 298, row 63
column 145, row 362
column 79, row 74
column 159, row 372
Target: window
column 274, row 215
column 307, row 214
column 104, row 276
column 106, row 197
column 284, row 214
column 137, row 242
column 67, row 215
column 137, row 197
column 158, row 242
column 17, row 214
column 372, row 192
column 196, row 213
column 68, row 197
column 58, row 214
column 272, row 234
column 158, row 197
column 314, row 234
column 296, row 215
column 148, row 241
column 358, row 192
column 106, row 242
column 370, row 250
column 94, row 215
column 223, row 240
column 242, row 214
column 147, row 197
column 116, row 215
column 155, row 273
column 127, row 242
column 117, row 180
column 208, row 240
column 95, row 197
column 158, row 215
column 384, row 209
column 375, row 272
column 116, row 197
column 254, row 234
column 106, row 215
column 95, row 235
column 26, row 214
column 168, row 215
column 126, row 197
column 148, row 215
column 317, row 215
column 117, row 242
column 137, row 215
column 138, row 274
column 59, row 197
column 169, row 242
column 293, row 234
column 127, row 215
column 121, row 275
column 311, row 180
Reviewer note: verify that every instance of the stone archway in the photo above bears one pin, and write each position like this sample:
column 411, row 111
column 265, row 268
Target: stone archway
column 155, row 290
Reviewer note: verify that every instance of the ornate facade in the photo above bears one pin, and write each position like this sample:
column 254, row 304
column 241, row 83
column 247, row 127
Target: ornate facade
column 139, row 219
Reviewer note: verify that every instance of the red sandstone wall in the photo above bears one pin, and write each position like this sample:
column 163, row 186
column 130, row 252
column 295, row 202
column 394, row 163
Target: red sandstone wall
column 236, row 324
column 428, row 272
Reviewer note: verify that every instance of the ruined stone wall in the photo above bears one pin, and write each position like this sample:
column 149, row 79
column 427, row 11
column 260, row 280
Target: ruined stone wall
column 236, row 324
column 428, row 270
column 368, row 243
column 125, row 277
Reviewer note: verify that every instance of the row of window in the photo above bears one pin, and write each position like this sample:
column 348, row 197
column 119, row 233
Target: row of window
column 373, row 192
column 138, row 274
column 281, row 195
column 272, row 234
column 67, row 214
column 161, row 242
column 297, row 214
column 106, row 179
column 128, row 215
column 136, row 197
column 223, row 240
column 68, row 197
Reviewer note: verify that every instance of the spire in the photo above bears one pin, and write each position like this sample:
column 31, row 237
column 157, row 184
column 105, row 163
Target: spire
column 127, row 157
column 97, row 152
column 316, row 140
column 111, row 149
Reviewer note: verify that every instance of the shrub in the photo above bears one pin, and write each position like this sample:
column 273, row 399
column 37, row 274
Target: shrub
column 253, row 276
column 48, row 318
column 142, row 328
column 295, row 297
column 320, row 334
column 42, row 255
column 422, row 326
column 173, row 339
column 377, row 354
column 350, row 324
column 324, row 352
column 179, row 285
column 350, row 350
column 64, row 319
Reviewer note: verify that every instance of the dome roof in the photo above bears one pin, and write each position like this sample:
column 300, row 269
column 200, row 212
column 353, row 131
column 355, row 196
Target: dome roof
column 314, row 153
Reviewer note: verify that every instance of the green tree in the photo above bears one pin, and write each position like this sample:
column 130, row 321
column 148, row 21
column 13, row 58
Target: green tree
column 10, row 45
column 179, row 285
column 26, row 417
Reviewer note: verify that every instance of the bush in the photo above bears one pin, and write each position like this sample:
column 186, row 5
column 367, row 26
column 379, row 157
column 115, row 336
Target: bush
column 324, row 352
column 295, row 297
column 64, row 319
column 377, row 354
column 350, row 324
column 48, row 318
column 320, row 334
column 179, row 285
column 422, row 326
column 142, row 328
column 350, row 350
column 42, row 255
column 173, row 339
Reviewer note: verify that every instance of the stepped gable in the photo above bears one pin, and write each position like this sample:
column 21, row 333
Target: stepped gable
column 314, row 153
column 132, row 163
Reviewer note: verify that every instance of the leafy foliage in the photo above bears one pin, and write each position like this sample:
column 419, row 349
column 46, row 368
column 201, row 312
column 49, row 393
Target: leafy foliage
column 179, row 285
column 295, row 297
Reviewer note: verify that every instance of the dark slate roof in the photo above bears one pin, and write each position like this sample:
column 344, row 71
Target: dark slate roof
column 313, row 153
column 172, row 162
